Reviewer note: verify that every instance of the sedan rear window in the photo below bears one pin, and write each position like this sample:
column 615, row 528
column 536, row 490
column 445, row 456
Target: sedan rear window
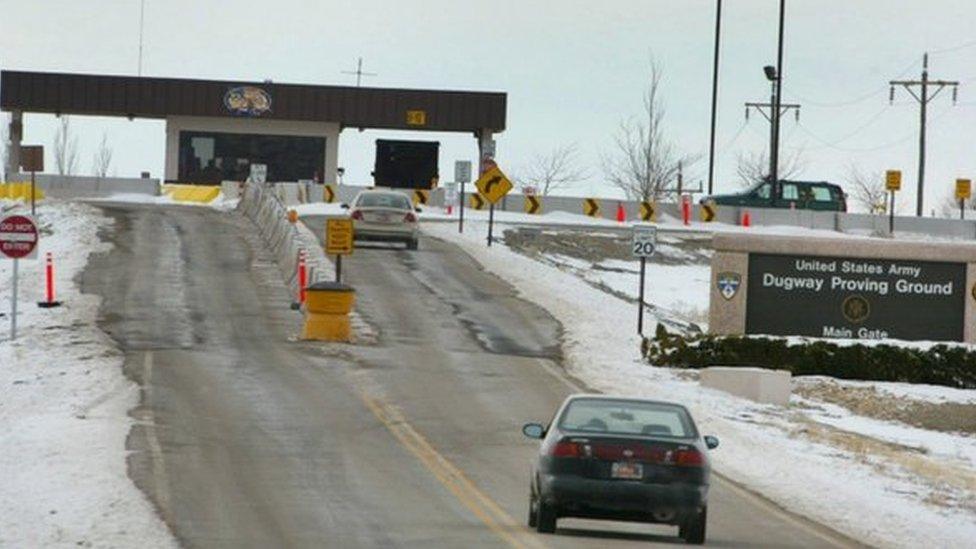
column 627, row 417
column 384, row 200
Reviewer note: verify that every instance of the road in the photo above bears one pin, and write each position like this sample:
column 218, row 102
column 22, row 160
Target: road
column 247, row 437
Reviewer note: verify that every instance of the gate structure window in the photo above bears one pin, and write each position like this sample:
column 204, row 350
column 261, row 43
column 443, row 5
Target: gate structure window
column 212, row 157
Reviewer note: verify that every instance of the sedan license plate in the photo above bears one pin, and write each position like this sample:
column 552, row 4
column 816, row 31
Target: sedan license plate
column 627, row 470
column 382, row 218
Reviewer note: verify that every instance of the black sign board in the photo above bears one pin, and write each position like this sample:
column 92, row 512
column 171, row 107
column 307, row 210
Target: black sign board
column 855, row 298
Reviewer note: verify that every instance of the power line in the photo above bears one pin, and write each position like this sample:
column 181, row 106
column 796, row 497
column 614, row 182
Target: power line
column 962, row 46
column 856, row 100
column 825, row 144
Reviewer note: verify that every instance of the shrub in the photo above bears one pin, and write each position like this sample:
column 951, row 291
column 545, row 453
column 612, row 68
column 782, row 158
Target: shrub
column 949, row 365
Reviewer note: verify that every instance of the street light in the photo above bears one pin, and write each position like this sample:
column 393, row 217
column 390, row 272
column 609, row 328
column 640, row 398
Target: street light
column 770, row 73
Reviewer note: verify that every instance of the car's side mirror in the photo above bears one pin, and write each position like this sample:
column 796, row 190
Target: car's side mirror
column 418, row 210
column 344, row 206
column 711, row 442
column 533, row 430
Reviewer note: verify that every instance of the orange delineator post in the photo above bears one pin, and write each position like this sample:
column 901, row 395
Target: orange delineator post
column 621, row 215
column 686, row 209
column 302, row 277
column 50, row 278
column 746, row 219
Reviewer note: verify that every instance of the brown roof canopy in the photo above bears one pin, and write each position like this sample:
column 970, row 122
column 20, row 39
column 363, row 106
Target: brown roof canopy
column 102, row 95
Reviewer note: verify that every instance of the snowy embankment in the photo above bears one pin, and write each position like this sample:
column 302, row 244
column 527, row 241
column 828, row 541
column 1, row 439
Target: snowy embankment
column 64, row 405
column 882, row 482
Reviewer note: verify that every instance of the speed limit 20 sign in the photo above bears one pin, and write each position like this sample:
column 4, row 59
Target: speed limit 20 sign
column 644, row 241
column 18, row 237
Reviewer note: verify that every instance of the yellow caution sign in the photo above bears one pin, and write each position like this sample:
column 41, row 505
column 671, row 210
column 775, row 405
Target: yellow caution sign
column 338, row 236
column 591, row 207
column 964, row 189
column 708, row 211
column 420, row 196
column 328, row 194
column 416, row 118
column 493, row 185
column 477, row 201
column 533, row 205
column 648, row 211
column 893, row 180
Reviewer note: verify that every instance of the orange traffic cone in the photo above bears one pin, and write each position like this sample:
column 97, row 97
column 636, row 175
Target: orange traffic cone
column 746, row 219
column 621, row 214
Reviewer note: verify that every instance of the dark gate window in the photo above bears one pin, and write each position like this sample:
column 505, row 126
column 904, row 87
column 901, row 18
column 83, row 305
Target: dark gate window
column 212, row 157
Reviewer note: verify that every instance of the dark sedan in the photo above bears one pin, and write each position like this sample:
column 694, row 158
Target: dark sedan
column 621, row 459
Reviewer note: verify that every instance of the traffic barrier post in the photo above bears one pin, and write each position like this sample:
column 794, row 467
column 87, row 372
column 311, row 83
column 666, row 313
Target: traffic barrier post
column 49, row 302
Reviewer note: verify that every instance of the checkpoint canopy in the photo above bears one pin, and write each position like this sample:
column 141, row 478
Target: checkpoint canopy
column 215, row 129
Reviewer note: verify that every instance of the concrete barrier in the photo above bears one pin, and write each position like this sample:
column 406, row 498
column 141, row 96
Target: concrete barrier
column 756, row 384
column 76, row 186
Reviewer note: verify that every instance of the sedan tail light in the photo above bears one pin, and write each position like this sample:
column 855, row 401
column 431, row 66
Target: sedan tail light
column 566, row 449
column 410, row 218
column 689, row 458
column 356, row 214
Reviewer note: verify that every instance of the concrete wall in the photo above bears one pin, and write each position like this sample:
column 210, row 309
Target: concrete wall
column 77, row 186
column 176, row 124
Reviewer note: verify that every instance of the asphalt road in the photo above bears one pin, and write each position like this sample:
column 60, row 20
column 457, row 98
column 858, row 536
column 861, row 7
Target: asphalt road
column 247, row 437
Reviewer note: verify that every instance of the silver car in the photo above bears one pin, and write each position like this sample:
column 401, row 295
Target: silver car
column 384, row 216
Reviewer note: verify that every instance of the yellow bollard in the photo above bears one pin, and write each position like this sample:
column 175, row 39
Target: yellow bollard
column 327, row 308
column 292, row 216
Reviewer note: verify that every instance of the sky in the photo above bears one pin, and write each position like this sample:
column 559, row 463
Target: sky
column 573, row 71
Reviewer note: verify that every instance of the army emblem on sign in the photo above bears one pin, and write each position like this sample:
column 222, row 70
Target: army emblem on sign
column 856, row 309
column 728, row 284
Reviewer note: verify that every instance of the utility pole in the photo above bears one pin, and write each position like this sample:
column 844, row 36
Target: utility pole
column 711, row 142
column 359, row 72
column 769, row 112
column 923, row 99
column 777, row 111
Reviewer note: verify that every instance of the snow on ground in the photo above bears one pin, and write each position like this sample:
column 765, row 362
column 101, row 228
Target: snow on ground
column 801, row 457
column 63, row 405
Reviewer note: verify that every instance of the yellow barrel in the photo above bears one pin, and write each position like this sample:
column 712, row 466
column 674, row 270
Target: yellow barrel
column 327, row 307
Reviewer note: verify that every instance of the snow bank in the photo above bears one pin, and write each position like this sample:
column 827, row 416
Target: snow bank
column 63, row 406
column 810, row 468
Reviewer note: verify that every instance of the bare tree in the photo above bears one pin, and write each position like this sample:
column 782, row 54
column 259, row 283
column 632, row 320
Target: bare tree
column 644, row 161
column 868, row 190
column 103, row 158
column 553, row 170
column 753, row 168
column 65, row 148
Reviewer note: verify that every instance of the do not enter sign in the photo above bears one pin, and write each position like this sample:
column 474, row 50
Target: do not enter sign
column 18, row 237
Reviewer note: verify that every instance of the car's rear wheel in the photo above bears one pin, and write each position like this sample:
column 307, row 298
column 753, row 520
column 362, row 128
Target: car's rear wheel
column 693, row 529
column 545, row 518
column 412, row 244
column 533, row 511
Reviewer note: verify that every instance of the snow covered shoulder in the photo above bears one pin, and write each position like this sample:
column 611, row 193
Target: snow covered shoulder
column 64, row 403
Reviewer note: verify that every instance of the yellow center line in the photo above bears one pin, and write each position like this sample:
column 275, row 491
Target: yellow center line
column 452, row 478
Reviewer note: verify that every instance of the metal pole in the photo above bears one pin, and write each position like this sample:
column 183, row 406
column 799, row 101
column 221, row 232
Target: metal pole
column 711, row 144
column 338, row 268
column 13, row 305
column 778, row 86
column 491, row 222
column 461, row 217
column 640, row 298
column 962, row 208
column 921, row 134
column 891, row 215
column 142, row 21
column 33, row 193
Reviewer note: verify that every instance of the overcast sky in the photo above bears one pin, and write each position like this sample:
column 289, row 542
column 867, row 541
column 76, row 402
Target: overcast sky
column 572, row 69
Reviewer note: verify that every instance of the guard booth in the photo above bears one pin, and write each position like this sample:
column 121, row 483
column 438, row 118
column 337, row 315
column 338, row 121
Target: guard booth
column 406, row 164
column 215, row 129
